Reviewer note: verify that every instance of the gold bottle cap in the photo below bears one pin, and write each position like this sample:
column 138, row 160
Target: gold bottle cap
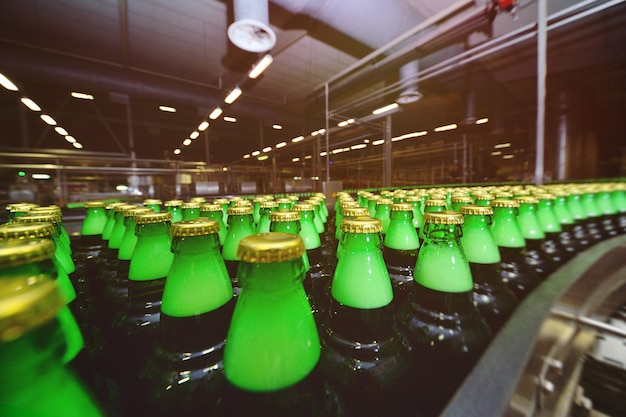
column 26, row 231
column 111, row 206
column 283, row 200
column 526, row 199
column 239, row 210
column 293, row 197
column 284, row 216
column 350, row 203
column 303, row 207
column 503, row 194
column 355, row 211
column 173, row 203
column 270, row 204
column 361, row 224
column 153, row 218
column 386, row 201
column 445, row 217
column 402, row 207
column 242, row 203
column 196, row 227
column 413, row 199
column 52, row 218
column 483, row 196
column 95, row 204
column 221, row 201
column 375, row 197
column 504, row 203
column 190, row 205
column 270, row 247
column 461, row 199
column 199, row 200
column 435, row 202
column 46, row 210
column 122, row 208
column 544, row 196
column 152, row 202
column 210, row 207
column 137, row 211
column 21, row 207
column 16, row 252
column 476, row 210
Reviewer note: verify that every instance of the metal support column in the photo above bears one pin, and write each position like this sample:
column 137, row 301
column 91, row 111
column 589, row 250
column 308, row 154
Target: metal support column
column 207, row 155
column 387, row 150
column 542, row 38
column 327, row 136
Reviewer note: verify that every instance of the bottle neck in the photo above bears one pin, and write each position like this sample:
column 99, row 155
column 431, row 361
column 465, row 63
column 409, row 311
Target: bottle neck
column 529, row 223
column 401, row 233
column 95, row 219
column 129, row 240
column 505, row 229
column 308, row 231
column 152, row 256
column 547, row 219
column 562, row 212
column 478, row 244
column 291, row 227
column 238, row 228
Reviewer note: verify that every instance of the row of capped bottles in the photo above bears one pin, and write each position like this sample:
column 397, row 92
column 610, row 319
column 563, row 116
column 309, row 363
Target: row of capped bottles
column 375, row 334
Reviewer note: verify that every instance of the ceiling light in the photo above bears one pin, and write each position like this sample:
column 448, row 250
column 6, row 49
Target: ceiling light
column 281, row 145
column 229, row 119
column 194, row 135
column 121, row 187
column 345, row 123
column 297, row 139
column 60, row 131
column 366, row 141
column 70, row 139
column 233, row 95
column 225, row 169
column 315, row 133
column 308, row 157
column 295, row 159
column 82, row 96
column 187, row 142
column 451, row 126
column 359, row 146
column 30, row 104
column 277, row 127
column 339, row 150
column 482, row 121
column 386, row 108
column 77, row 145
column 502, row 145
column 176, row 151
column 40, row 176
column 260, row 66
column 202, row 126
column 323, row 153
column 267, row 149
column 255, row 153
column 167, row 109
column 49, row 120
column 246, row 156
column 409, row 135
column 507, row 156
column 262, row 157
column 6, row 83
column 496, row 153
column 215, row 113
column 378, row 142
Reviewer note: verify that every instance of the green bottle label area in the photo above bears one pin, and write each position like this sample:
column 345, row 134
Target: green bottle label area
column 401, row 234
column 272, row 341
column 151, row 259
column 95, row 219
column 196, row 284
column 441, row 266
column 478, row 244
column 529, row 224
column 361, row 278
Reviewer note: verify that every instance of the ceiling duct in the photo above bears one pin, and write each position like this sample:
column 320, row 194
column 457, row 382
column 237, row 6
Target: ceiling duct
column 251, row 30
column 408, row 74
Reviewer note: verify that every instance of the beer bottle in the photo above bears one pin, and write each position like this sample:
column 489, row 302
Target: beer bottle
column 287, row 221
column 363, row 353
column 483, row 199
column 225, row 204
column 240, row 225
column 256, row 210
column 175, row 208
column 153, row 203
column 432, row 205
column 18, row 210
column 265, row 208
column 348, row 212
column 272, row 347
column 190, row 210
column 575, row 206
column 608, row 211
column 400, row 249
column 89, row 246
column 516, row 274
column 563, row 214
column 54, row 210
column 284, row 203
column 383, row 213
column 618, row 196
column 418, row 215
column 346, row 203
column 371, row 205
column 494, row 300
column 184, row 374
column 444, row 326
column 593, row 220
column 533, row 233
column 32, row 339
column 214, row 212
column 552, row 228
column 459, row 200
column 108, row 226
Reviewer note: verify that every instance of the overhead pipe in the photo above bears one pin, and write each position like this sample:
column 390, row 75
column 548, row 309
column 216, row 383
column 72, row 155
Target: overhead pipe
column 251, row 29
column 408, row 74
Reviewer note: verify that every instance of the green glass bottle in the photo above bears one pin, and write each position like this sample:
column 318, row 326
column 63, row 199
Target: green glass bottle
column 593, row 220
column 371, row 204
column 444, row 326
column 89, row 246
column 483, row 199
column 551, row 227
column 225, row 204
column 494, row 300
column 272, row 347
column 240, row 225
column 383, row 213
column 288, row 221
column 574, row 204
column 190, row 210
column 348, row 212
column 608, row 211
column 436, row 205
column 256, row 210
column 18, row 210
column 184, row 374
column 400, row 249
column 562, row 212
column 541, row 262
column 214, row 212
column 618, row 195
column 153, row 203
column 54, row 210
column 516, row 274
column 175, row 208
column 364, row 354
column 265, row 209
column 108, row 226
column 323, row 207
column 348, row 203
column 460, row 200
column 284, row 203
column 32, row 339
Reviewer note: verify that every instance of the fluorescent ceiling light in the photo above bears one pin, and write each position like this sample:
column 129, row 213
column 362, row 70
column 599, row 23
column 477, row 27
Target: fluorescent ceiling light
column 215, row 113
column 70, row 139
column 267, row 149
column 502, row 145
column 451, row 126
column 409, row 135
column 378, row 142
column 262, row 158
column 202, row 126
column 297, row 178
column 49, row 120
column 176, row 151
column 281, row 145
column 30, row 104
column 277, row 127
column 82, row 96
column 323, row 153
column 308, row 156
column 345, row 123
column 295, row 159
column 386, row 108
column 246, row 156
column 225, row 169
column 6, row 83
column 297, row 139
column 121, row 187
column 40, row 176
column 60, row 131
column 358, row 146
column 315, row 133
column 229, row 119
column 496, row 153
column 186, row 142
column 233, row 95
column 167, row 109
column 482, row 121
column 255, row 153
column 77, row 145
column 507, row 156
column 260, row 66
column 194, row 135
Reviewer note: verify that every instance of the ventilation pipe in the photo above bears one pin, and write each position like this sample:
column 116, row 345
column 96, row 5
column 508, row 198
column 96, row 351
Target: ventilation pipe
column 251, row 30
column 409, row 73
